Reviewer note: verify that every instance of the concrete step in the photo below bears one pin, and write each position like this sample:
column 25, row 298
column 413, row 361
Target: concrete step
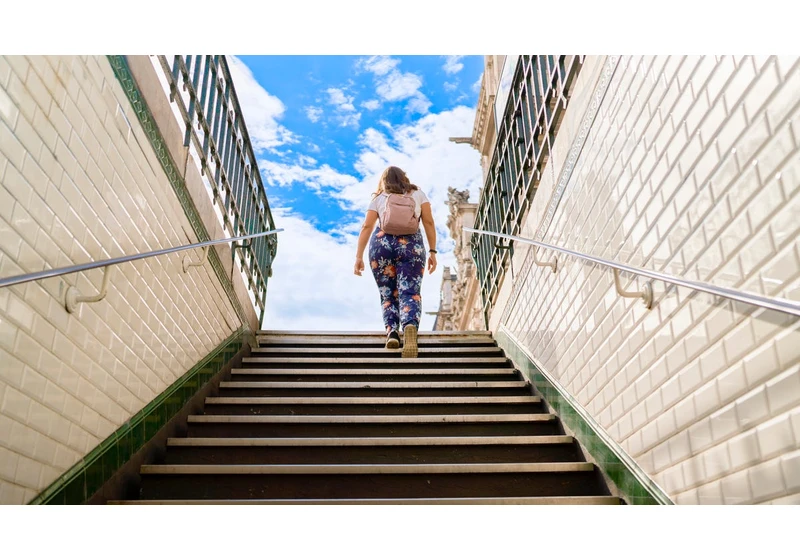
column 374, row 374
column 525, row 500
column 374, row 400
column 451, row 480
column 425, row 352
column 384, row 419
column 373, row 388
column 374, row 385
column 373, row 405
column 546, row 449
column 396, row 362
column 372, row 371
column 366, row 441
column 435, row 468
column 348, row 334
column 372, row 342
column 373, row 426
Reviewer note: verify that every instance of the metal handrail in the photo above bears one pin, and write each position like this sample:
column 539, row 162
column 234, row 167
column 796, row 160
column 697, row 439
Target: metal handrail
column 775, row 304
column 30, row 277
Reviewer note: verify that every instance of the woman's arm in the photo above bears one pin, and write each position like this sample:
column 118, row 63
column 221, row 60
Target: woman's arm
column 363, row 239
column 430, row 233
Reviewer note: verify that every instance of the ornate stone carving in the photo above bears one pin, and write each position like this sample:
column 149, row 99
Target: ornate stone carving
column 460, row 313
column 454, row 198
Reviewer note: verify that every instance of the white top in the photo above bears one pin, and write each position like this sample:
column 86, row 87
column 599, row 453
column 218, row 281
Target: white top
column 378, row 203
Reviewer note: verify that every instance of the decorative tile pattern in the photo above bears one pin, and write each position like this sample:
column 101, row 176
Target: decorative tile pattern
column 691, row 167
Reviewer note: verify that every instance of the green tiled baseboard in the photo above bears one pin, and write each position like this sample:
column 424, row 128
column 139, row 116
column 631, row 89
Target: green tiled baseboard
column 633, row 483
column 80, row 482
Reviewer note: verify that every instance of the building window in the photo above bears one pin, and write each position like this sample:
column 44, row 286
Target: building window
column 504, row 87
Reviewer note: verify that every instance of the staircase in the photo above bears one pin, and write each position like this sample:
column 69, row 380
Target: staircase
column 335, row 418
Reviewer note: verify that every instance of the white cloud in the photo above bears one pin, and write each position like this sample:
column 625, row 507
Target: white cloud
column 393, row 85
column 451, row 86
column 283, row 174
column 424, row 151
column 305, row 160
column 349, row 119
column 396, row 86
column 371, row 104
column 452, row 64
column 418, row 104
column 346, row 111
column 341, row 101
column 313, row 113
column 379, row 65
column 261, row 109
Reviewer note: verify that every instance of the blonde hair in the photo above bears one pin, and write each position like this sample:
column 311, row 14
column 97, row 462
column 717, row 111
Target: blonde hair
column 394, row 181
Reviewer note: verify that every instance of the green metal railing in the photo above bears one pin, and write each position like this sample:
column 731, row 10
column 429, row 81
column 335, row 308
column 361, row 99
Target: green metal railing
column 202, row 89
column 537, row 96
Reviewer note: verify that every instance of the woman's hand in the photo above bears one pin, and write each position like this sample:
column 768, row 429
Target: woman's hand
column 431, row 262
column 359, row 267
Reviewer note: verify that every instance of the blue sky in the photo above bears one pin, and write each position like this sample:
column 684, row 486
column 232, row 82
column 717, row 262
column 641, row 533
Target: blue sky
column 324, row 128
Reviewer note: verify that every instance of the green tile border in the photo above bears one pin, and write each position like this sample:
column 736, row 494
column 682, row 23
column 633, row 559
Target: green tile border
column 121, row 70
column 636, row 487
column 89, row 474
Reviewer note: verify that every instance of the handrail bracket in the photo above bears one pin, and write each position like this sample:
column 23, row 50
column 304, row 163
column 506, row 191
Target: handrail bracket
column 553, row 264
column 73, row 297
column 187, row 262
column 646, row 294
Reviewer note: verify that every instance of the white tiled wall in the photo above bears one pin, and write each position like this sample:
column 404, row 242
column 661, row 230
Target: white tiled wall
column 77, row 185
column 692, row 167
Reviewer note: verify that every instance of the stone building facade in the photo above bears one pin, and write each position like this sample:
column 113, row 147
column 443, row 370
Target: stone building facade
column 462, row 309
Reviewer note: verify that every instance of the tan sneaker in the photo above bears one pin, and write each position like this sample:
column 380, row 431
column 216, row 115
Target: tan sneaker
column 392, row 341
column 410, row 342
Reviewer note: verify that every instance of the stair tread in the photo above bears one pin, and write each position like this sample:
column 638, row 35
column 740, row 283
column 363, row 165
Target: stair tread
column 428, row 468
column 532, row 500
column 369, row 419
column 370, row 384
column 368, row 441
column 320, row 350
column 343, row 334
column 374, row 344
column 390, row 360
column 373, row 400
column 377, row 371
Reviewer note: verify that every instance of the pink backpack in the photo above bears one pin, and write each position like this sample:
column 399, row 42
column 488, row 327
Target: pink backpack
column 399, row 217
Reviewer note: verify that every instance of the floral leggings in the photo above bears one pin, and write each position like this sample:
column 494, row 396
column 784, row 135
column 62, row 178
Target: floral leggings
column 397, row 263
